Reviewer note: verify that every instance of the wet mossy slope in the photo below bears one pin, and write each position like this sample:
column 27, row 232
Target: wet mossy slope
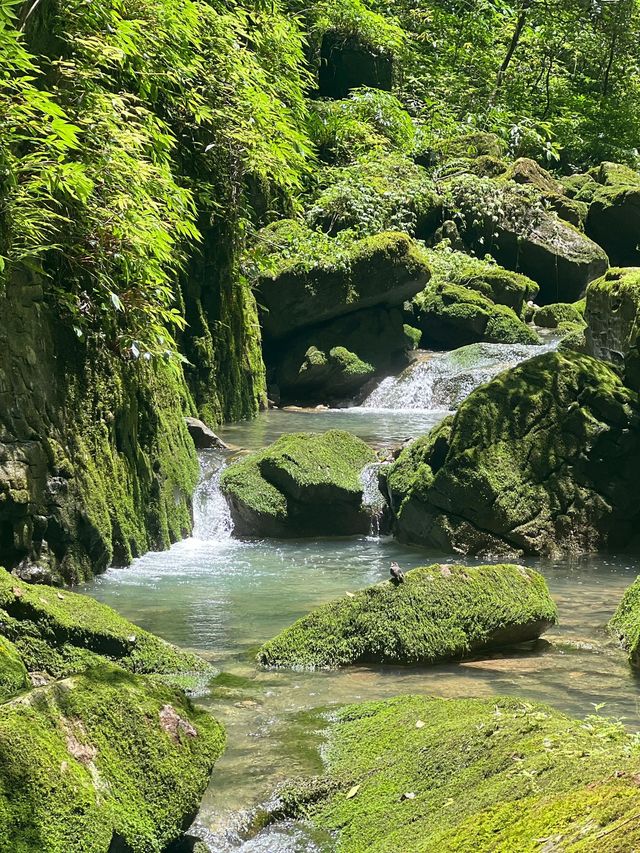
column 473, row 776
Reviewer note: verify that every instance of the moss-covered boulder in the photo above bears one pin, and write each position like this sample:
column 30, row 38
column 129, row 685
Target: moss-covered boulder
column 614, row 214
column 305, row 277
column 13, row 673
column 526, row 171
column 102, row 761
column 498, row 284
column 57, row 633
column 332, row 374
column 474, row 776
column 625, row 624
column 377, row 193
column 438, row 613
column 543, row 459
column 514, row 224
column 553, row 315
column 612, row 312
column 305, row 484
column 451, row 316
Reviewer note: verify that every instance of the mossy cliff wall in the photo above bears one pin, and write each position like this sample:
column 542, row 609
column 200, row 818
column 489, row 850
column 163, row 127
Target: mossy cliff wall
column 96, row 464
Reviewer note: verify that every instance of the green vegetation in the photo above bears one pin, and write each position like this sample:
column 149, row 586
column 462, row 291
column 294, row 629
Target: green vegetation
column 13, row 673
column 100, row 757
column 438, row 613
column 61, row 633
column 305, row 484
column 503, row 475
column 555, row 315
column 469, row 775
column 625, row 624
column 611, row 313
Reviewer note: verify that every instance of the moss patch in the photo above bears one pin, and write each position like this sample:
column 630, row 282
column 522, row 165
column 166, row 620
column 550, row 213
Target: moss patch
column 100, row 756
column 481, row 775
column 304, row 484
column 552, row 316
column 625, row 624
column 438, row 613
column 60, row 633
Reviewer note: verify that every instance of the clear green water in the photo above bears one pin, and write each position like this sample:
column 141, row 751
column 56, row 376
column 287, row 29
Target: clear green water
column 223, row 598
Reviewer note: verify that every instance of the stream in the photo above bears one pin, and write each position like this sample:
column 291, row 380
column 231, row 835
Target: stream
column 224, row 597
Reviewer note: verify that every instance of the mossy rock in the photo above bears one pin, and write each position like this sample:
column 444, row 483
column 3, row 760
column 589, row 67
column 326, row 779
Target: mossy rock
column 581, row 186
column 13, row 673
column 614, row 222
column 498, row 284
column 305, row 484
column 99, row 759
column 59, row 633
column 625, row 624
column 513, row 223
column 377, row 193
column 544, row 459
column 472, row 145
column 552, row 316
column 452, row 316
column 472, row 776
column 329, row 375
column 615, row 174
column 612, row 312
column 305, row 277
column 438, row 613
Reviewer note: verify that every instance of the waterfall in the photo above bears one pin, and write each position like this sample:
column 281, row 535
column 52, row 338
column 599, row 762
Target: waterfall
column 211, row 516
column 441, row 381
column 372, row 497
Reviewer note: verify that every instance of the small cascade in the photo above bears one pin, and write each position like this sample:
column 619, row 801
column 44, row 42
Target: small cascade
column 441, row 381
column 211, row 515
column 372, row 497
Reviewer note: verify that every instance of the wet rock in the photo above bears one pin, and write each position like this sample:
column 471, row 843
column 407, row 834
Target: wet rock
column 437, row 613
column 552, row 316
column 202, row 436
column 305, row 484
column 543, row 459
column 625, row 624
column 513, row 223
column 612, row 311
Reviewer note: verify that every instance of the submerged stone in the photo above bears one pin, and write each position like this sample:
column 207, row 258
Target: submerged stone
column 486, row 775
column 439, row 612
column 543, row 459
column 305, row 484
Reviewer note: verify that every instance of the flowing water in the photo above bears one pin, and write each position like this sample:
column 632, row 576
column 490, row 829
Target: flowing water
column 224, row 597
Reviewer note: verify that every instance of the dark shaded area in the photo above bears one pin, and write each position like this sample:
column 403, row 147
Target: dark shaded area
column 346, row 63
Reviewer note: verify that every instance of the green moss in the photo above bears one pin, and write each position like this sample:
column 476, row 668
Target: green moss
column 100, row 755
column 451, row 316
column 303, row 484
column 612, row 312
column 615, row 174
column 13, row 673
column 485, row 276
column 552, row 316
column 377, row 193
column 438, row 613
column 60, row 633
column 542, row 459
column 625, row 624
column 485, row 775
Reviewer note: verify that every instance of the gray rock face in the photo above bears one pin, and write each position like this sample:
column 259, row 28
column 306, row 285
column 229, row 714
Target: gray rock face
column 611, row 313
column 513, row 224
column 614, row 222
column 202, row 436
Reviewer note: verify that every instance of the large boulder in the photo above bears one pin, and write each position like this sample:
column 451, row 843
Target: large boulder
column 614, row 214
column 498, row 284
column 512, row 222
column 526, row 171
column 305, row 277
column 438, row 613
column 543, row 459
column 100, row 761
column 612, row 312
column 554, row 315
column 305, row 484
column 625, row 624
column 472, row 776
column 451, row 316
